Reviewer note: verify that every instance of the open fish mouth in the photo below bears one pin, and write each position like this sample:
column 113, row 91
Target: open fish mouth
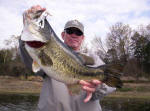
column 35, row 44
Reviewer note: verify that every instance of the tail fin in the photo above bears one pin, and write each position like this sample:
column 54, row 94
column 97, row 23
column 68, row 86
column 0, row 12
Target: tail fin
column 112, row 80
column 112, row 76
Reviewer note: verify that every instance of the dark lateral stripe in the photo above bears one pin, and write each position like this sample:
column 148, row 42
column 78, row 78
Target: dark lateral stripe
column 90, row 73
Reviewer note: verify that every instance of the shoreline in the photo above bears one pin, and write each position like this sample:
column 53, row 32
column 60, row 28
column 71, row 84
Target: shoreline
column 130, row 95
column 32, row 87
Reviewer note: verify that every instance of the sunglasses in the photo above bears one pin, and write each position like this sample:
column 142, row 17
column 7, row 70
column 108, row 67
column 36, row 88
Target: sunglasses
column 73, row 31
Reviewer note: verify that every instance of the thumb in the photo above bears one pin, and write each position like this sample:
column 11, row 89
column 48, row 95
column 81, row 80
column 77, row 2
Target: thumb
column 88, row 97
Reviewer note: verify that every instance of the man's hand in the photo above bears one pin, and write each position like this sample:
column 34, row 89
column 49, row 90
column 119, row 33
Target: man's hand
column 28, row 13
column 89, row 87
column 35, row 9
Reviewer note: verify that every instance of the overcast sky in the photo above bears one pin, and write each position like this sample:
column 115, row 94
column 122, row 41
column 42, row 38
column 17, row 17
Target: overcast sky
column 96, row 15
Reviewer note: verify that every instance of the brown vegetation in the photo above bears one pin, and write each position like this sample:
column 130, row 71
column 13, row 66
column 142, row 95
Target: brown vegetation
column 13, row 85
column 19, row 85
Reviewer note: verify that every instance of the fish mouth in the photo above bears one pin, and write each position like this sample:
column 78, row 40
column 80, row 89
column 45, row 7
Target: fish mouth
column 35, row 44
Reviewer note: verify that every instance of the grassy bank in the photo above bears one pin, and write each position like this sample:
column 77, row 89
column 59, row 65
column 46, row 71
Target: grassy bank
column 12, row 85
column 32, row 86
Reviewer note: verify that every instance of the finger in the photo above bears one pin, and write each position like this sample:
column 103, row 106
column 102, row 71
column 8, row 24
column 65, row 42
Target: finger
column 88, row 97
column 96, row 82
column 84, row 83
column 39, row 7
column 29, row 11
column 36, row 8
column 33, row 8
column 89, row 89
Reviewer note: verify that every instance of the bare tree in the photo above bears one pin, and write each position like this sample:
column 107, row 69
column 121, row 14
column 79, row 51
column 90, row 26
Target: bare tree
column 118, row 39
column 84, row 47
column 98, row 47
column 141, row 46
column 12, row 42
column 13, row 45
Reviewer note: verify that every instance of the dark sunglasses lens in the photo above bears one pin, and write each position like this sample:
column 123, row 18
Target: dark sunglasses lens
column 75, row 31
column 78, row 32
column 69, row 31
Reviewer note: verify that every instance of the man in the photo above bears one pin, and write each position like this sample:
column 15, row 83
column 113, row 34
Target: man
column 55, row 95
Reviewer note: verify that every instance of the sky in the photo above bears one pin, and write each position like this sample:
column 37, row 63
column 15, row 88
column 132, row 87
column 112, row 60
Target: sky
column 96, row 15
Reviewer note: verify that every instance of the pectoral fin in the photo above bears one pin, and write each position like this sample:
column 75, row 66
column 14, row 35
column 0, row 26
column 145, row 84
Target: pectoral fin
column 35, row 67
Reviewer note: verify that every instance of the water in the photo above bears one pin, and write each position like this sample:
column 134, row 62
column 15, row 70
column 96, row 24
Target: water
column 23, row 106
column 125, row 104
column 14, row 102
column 29, row 103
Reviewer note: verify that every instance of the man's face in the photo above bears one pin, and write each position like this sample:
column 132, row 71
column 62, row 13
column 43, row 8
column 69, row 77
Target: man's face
column 73, row 37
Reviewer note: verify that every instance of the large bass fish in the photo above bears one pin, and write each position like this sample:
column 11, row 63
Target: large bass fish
column 55, row 58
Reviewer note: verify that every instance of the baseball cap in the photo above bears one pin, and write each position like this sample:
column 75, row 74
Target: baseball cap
column 76, row 24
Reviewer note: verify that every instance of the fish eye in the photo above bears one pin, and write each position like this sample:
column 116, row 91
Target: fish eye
column 41, row 23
